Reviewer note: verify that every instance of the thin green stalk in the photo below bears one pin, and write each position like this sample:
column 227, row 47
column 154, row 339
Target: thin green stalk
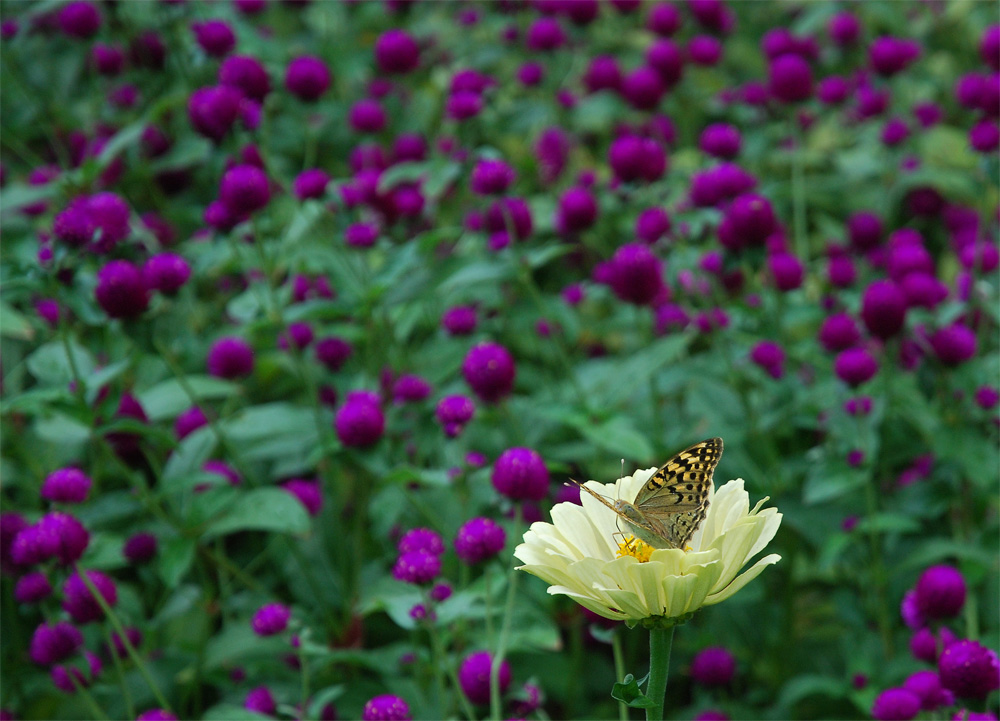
column 502, row 641
column 661, row 640
column 120, row 672
column 616, row 652
column 116, row 622
column 87, row 697
column 236, row 572
column 798, row 195
column 304, row 667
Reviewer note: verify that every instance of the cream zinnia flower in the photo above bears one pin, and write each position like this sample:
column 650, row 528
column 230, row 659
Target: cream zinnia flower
column 580, row 555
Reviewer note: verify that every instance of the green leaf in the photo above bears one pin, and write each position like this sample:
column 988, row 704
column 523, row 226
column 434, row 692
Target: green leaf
column 232, row 712
column 888, row 523
column 62, row 430
column 175, row 559
column 14, row 324
column 620, row 438
column 189, row 456
column 17, row 196
column 266, row 421
column 628, row 692
column 181, row 601
column 808, row 685
column 473, row 274
column 51, row 365
column 401, row 173
column 263, row 509
column 821, row 487
column 170, row 398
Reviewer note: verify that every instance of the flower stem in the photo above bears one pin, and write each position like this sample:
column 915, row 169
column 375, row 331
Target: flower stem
column 616, row 651
column 661, row 640
column 508, row 613
column 126, row 695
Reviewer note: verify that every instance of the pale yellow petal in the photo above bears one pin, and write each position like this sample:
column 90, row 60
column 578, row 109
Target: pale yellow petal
column 743, row 579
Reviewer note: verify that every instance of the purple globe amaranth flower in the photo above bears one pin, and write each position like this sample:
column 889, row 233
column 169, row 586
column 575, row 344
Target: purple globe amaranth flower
column 530, row 74
column 720, row 140
column 896, row 704
column 833, row 90
column 309, row 494
column 417, row 567
column 247, row 74
column 11, row 524
column 459, row 320
column 652, row 224
column 166, row 272
column 790, row 79
column 854, row 366
column 749, row 219
column 491, row 177
column 633, row 158
column 441, row 592
column 215, row 37
column 636, row 274
column 984, row 136
column 894, row 132
column 68, row 678
column 940, row 592
column 307, row 77
column 577, row 210
column 924, row 645
column 189, row 421
column 80, row 19
column 409, row 147
column 510, row 210
column 883, row 309
column 713, row 666
column 927, row 687
column 367, row 116
column 310, row 183
column 244, row 189
column 78, row 601
column 453, row 413
column 642, row 88
column 704, row 50
column 969, row 670
column 474, row 676
column 954, row 344
column 463, row 105
column 213, row 110
column 520, row 474
column 667, row 59
column 663, row 19
column 261, row 700
column 386, row 708
column 888, row 55
column 769, row 356
column 139, row 548
column 989, row 46
column 421, row 539
column 360, row 422
column 74, row 224
column 545, row 34
column 66, row 485
column 54, row 643
column 396, row 52
column 300, row 335
column 271, row 619
column 156, row 714
column 333, row 352
column 839, row 332
column 32, row 587
column 844, row 29
column 230, row 358
column 479, row 539
column 980, row 256
column 909, row 610
column 864, row 230
column 55, row 535
column 409, row 387
column 489, row 370
column 603, row 73
column 987, row 397
column 121, row 291
column 786, row 270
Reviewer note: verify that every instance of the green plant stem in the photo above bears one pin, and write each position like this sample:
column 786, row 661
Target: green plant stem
column 798, row 194
column 87, row 697
column 616, row 652
column 222, row 560
column 661, row 640
column 502, row 641
column 117, row 624
column 119, row 671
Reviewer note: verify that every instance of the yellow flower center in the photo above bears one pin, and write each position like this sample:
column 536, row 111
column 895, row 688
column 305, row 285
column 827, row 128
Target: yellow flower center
column 632, row 546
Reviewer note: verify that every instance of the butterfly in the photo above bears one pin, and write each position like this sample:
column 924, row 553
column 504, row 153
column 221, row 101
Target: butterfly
column 672, row 504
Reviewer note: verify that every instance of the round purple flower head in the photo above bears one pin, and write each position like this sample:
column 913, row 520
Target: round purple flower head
column 636, row 274
column 121, row 291
column 310, row 183
column 66, row 485
column 409, row 388
column 396, row 52
column 307, row 77
column 770, row 357
column 67, row 678
column 53, row 643
column 360, row 422
column 864, row 230
column 367, row 116
column 663, row 19
column 333, row 352
column 489, row 370
column 969, row 670
column 512, row 210
column 883, row 309
column 642, row 88
column 704, row 50
column 139, row 548
column 246, row 74
column 271, row 619
column 459, row 320
column 790, row 79
column 923, row 645
column 55, row 535
column 299, row 336
column 888, row 55
column 841, row 272
column 189, row 421
column 32, row 587
column 652, row 224
column 839, row 332
column 896, row 704
column 989, row 46
column 721, row 140
column 713, row 666
column 603, row 73
column 215, row 37
column 421, row 539
column 80, row 19
column 577, row 210
column 213, row 110
column 479, row 539
column 474, row 676
column 633, row 158
column 417, row 567
column 156, row 714
column 230, row 357
column 854, row 366
column 261, row 700
column 667, row 58
column 386, row 708
column 843, row 29
column 309, row 493
column 520, row 474
column 166, row 272
column 987, row 397
column 361, row 235
column 78, row 601
column 491, row 177
column 786, row 270
column 927, row 687
column 940, row 592
column 453, row 412
column 244, row 189
column 954, row 344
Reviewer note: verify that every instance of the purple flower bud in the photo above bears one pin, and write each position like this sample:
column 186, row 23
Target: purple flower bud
column 770, row 357
column 215, row 37
column 989, row 46
column 54, row 643
column 474, row 676
column 441, row 592
column 409, row 147
column 896, row 704
column 663, row 19
column 159, row 714
column 652, row 224
column 854, row 366
column 636, row 274
column 545, row 34
column 889, row 56
column 260, row 700
column 386, row 708
column 309, row 494
column 927, row 687
column 923, row 645
column 478, row 540
column 864, row 230
column 166, row 272
column 244, row 189
column 940, row 592
column 61, row 675
column 80, row 19
column 121, row 291
column 984, row 136
column 359, row 422
column 32, row 587
column 409, row 388
column 633, row 158
column 459, row 320
column 396, row 52
column 230, row 358
column 894, row 132
column 667, row 59
column 512, row 210
column 786, row 270
column 299, row 336
column 491, row 177
column 361, row 235
column 520, row 474
column 66, row 485
column 839, row 332
column 74, row 225
column 271, row 619
column 189, row 421
column 213, row 110
column 577, row 210
column 790, row 79
column 489, row 370
column 246, row 74
column 969, row 670
column 453, row 412
column 883, row 309
column 713, row 666
column 78, row 601
column 954, row 344
column 987, row 397
column 704, row 50
column 721, row 140
column 833, row 90
column 642, row 88
column 421, row 539
column 417, row 567
column 333, row 352
column 367, row 116
column 603, row 73
column 56, row 535
column 307, row 77
column 310, row 184
column 139, row 548
column 843, row 29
